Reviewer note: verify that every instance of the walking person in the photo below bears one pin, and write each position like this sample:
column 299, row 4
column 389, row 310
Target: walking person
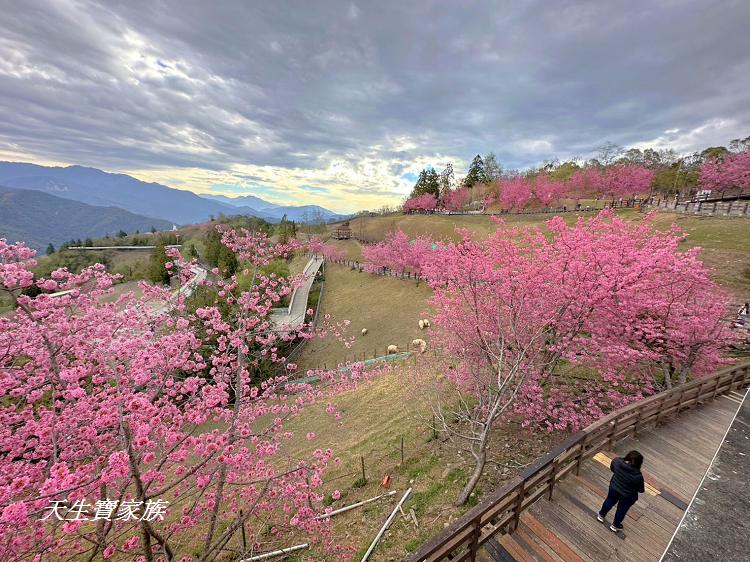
column 624, row 487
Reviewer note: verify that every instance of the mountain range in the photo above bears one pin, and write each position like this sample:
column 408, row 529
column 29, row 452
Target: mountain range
column 39, row 218
column 96, row 187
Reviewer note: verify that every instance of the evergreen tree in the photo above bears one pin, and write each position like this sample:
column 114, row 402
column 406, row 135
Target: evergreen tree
column 286, row 229
column 88, row 242
column 428, row 182
column 50, row 249
column 212, row 248
column 157, row 273
column 492, row 170
column 227, row 262
column 476, row 172
column 447, row 179
column 122, row 234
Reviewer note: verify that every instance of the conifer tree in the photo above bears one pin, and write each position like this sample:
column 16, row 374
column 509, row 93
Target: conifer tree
column 476, row 172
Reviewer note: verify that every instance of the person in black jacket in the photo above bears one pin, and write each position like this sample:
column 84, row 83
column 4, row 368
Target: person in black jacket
column 626, row 484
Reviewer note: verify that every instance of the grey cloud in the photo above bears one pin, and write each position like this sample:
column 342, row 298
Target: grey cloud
column 142, row 84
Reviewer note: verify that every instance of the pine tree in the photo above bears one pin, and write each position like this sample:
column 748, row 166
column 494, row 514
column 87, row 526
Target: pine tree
column 428, row 182
column 157, row 273
column 50, row 249
column 447, row 179
column 227, row 262
column 492, row 170
column 476, row 172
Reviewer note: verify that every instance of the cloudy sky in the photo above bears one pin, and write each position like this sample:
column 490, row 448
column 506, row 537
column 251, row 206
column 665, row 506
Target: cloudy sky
column 341, row 103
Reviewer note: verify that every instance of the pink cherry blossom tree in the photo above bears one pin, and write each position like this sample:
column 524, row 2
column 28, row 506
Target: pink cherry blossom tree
column 515, row 193
column 731, row 170
column 519, row 314
column 585, row 183
column 547, row 190
column 626, row 180
column 137, row 403
column 425, row 203
column 398, row 253
column 456, row 199
column 318, row 247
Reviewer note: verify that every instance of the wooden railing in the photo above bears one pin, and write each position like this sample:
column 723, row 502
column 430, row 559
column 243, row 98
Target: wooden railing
column 500, row 513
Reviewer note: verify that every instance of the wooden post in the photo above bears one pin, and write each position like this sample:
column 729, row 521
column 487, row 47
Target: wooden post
column 614, row 430
column 402, row 450
column 717, row 381
column 582, row 452
column 519, row 504
column 362, row 460
column 637, row 421
column 552, row 478
column 474, row 544
column 662, row 401
column 679, row 400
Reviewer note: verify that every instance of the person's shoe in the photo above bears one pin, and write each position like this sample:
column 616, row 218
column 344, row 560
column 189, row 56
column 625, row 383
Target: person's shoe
column 615, row 529
column 600, row 518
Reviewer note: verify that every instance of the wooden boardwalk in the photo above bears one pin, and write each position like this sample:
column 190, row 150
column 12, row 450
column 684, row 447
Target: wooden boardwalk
column 677, row 455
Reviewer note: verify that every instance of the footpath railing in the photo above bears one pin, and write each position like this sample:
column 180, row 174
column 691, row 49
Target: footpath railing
column 500, row 513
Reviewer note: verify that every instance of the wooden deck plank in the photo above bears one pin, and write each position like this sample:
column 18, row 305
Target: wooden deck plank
column 539, row 549
column 560, row 547
column 677, row 454
column 516, row 550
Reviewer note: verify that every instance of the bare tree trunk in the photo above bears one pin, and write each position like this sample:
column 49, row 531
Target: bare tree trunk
column 481, row 459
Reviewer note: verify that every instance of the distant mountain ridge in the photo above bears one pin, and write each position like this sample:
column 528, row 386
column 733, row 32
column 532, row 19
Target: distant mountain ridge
column 242, row 201
column 39, row 218
column 95, row 187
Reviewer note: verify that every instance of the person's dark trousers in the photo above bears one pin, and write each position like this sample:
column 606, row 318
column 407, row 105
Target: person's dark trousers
column 623, row 504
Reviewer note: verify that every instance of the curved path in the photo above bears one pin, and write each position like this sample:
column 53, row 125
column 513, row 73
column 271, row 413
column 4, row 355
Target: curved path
column 292, row 316
column 677, row 456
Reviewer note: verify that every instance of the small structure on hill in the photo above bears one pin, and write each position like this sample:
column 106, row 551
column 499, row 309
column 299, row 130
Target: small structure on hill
column 343, row 232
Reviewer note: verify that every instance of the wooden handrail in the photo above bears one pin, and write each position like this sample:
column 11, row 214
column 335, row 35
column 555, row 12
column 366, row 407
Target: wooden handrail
column 501, row 511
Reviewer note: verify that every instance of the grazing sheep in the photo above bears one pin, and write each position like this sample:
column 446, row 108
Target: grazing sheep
column 421, row 324
column 364, row 331
column 426, row 323
column 392, row 349
column 421, row 344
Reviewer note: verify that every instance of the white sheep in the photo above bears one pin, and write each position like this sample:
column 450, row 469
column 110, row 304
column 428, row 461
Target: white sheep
column 421, row 344
column 364, row 331
column 392, row 349
column 421, row 324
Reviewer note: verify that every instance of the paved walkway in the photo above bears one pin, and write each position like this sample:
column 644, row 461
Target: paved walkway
column 717, row 523
column 293, row 315
column 677, row 456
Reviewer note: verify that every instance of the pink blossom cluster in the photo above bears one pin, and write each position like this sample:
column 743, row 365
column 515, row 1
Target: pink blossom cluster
column 316, row 246
column 398, row 253
column 579, row 322
column 456, row 199
column 618, row 180
column 729, row 171
column 105, row 397
column 425, row 203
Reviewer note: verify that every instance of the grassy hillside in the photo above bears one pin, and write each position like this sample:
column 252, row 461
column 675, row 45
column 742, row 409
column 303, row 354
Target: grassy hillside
column 389, row 309
column 725, row 241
